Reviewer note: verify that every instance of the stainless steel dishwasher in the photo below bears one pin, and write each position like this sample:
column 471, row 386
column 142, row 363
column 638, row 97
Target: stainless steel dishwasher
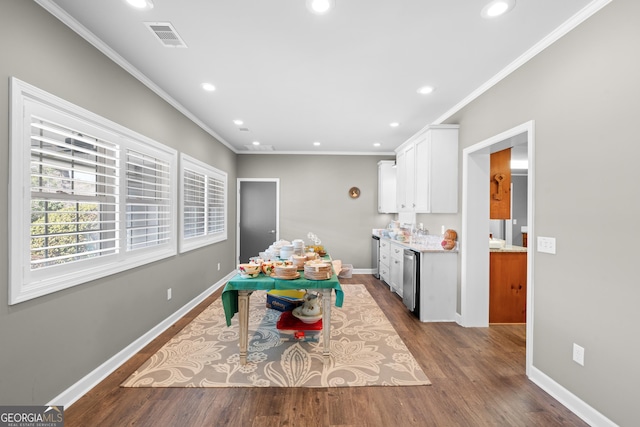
column 375, row 256
column 411, row 281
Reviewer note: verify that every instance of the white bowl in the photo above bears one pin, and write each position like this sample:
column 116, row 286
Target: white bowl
column 305, row 319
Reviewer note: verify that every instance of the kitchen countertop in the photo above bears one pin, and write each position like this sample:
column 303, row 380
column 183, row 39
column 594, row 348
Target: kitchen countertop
column 433, row 247
column 510, row 249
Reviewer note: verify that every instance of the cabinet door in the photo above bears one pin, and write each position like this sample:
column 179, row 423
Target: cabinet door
column 395, row 268
column 500, row 185
column 436, row 171
column 508, row 287
column 423, row 174
column 405, row 169
column 387, row 200
column 410, row 183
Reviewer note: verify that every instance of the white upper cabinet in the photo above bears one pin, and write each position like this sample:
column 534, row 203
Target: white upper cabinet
column 387, row 186
column 428, row 172
column 405, row 160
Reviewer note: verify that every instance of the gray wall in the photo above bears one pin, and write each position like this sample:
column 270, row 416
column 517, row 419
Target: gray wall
column 49, row 343
column 314, row 197
column 583, row 93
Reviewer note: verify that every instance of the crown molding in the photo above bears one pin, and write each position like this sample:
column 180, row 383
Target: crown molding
column 83, row 32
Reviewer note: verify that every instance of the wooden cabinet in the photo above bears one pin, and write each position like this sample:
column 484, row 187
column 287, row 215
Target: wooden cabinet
column 387, row 187
column 508, row 287
column 500, row 185
column 427, row 169
column 395, row 267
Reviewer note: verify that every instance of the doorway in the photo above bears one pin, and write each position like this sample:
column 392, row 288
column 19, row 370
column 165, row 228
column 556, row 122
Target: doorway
column 474, row 290
column 258, row 216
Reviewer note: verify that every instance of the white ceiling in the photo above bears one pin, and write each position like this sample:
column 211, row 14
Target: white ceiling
column 339, row 79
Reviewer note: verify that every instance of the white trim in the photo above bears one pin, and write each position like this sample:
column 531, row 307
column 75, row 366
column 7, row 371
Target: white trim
column 85, row 384
column 572, row 402
column 25, row 284
column 188, row 162
column 474, row 289
column 83, row 32
column 322, row 153
column 547, row 41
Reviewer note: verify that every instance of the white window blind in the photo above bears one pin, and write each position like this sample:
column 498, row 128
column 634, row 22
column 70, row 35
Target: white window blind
column 73, row 195
column 88, row 197
column 203, row 204
column 194, row 193
column 217, row 194
column 148, row 201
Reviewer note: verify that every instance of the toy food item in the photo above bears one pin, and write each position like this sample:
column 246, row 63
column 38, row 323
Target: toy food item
column 448, row 244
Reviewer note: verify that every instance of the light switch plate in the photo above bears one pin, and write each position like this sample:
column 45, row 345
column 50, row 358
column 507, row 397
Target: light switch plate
column 547, row 244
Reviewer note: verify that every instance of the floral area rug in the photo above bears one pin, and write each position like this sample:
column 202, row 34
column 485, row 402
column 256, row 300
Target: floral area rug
column 365, row 351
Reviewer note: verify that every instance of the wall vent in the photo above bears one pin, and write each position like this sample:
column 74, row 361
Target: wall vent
column 166, row 34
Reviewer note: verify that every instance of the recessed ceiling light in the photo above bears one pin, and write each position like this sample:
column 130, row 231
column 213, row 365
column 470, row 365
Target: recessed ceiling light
column 320, row 7
column 394, row 124
column 238, row 122
column 424, row 90
column 497, row 8
column 256, row 142
column 208, row 87
column 376, row 144
column 141, row 4
column 317, row 144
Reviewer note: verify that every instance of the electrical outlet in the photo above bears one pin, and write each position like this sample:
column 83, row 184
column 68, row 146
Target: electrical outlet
column 547, row 244
column 168, row 294
column 578, row 354
column 218, row 266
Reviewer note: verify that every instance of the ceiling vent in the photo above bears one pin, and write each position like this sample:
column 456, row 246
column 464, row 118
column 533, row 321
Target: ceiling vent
column 259, row 147
column 243, row 129
column 166, row 34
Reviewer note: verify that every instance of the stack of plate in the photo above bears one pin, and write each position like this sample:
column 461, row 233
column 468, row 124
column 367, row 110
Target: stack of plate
column 287, row 272
column 298, row 261
column 317, row 270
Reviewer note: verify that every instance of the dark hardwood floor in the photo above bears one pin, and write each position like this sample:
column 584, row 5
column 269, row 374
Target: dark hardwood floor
column 477, row 374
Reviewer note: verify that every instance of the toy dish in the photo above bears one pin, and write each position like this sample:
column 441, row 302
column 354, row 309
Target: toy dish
column 306, row 319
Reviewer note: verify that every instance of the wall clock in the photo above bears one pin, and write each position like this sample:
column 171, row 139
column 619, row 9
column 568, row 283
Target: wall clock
column 354, row 192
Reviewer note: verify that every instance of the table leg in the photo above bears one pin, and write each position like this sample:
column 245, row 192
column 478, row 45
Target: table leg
column 243, row 320
column 326, row 323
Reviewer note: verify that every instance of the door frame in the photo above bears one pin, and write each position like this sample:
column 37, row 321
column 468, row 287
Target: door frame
column 239, row 181
column 474, row 247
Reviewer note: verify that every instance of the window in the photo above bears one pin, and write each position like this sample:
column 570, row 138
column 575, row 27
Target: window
column 203, row 204
column 98, row 198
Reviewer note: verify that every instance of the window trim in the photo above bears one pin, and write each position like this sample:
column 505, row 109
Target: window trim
column 195, row 165
column 25, row 284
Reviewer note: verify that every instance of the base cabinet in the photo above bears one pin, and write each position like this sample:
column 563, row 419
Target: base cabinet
column 508, row 287
column 438, row 286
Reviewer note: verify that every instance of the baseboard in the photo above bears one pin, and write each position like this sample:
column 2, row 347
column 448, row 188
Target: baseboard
column 363, row 271
column 570, row 400
column 80, row 388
